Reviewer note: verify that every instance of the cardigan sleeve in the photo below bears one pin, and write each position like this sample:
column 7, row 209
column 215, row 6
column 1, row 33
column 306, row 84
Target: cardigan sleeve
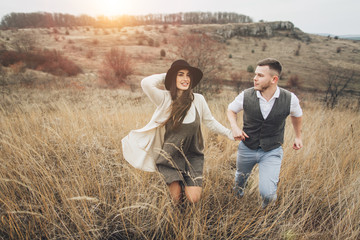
column 150, row 86
column 211, row 122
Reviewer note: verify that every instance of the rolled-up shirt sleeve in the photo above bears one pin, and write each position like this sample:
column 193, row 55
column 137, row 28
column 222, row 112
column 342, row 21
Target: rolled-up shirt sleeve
column 238, row 104
column 295, row 108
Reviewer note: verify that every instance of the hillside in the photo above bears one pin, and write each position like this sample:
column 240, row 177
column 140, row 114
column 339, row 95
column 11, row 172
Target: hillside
column 308, row 57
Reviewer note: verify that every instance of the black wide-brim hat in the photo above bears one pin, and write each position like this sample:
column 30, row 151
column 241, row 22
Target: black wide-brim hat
column 196, row 74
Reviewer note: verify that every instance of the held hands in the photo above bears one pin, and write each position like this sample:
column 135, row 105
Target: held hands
column 238, row 134
column 297, row 144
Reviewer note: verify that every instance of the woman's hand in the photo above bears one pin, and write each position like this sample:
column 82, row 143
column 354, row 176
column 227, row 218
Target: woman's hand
column 238, row 134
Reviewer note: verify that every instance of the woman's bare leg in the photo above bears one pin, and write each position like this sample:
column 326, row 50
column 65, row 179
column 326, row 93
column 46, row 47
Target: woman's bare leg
column 193, row 193
column 175, row 191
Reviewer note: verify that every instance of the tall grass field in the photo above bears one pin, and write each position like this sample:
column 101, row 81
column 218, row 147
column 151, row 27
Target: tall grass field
column 63, row 176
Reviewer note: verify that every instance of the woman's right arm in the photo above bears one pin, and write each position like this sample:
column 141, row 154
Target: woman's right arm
column 150, row 86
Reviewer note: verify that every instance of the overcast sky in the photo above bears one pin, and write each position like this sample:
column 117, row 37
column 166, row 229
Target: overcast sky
column 337, row 17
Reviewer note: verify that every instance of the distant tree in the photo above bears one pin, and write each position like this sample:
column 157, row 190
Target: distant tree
column 203, row 52
column 336, row 82
column 44, row 19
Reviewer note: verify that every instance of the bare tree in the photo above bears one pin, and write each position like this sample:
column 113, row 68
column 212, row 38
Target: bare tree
column 117, row 65
column 203, row 52
column 337, row 81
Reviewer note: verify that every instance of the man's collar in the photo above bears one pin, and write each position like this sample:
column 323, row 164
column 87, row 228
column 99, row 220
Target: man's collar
column 276, row 94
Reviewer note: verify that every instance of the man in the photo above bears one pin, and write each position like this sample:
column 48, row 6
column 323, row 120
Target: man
column 266, row 107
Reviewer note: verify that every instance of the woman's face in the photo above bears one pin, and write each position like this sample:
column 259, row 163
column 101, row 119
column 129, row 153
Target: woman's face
column 183, row 80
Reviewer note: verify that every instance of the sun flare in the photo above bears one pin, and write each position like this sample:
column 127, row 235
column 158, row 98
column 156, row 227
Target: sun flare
column 115, row 7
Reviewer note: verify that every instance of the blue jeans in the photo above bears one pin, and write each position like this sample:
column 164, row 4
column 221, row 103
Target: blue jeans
column 269, row 170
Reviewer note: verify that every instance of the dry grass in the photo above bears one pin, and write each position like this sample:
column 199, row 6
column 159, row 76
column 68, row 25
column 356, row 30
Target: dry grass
column 63, row 175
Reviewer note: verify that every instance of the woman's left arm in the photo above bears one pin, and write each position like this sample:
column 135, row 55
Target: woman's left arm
column 211, row 122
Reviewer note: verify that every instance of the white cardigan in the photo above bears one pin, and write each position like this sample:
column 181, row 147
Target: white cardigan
column 141, row 147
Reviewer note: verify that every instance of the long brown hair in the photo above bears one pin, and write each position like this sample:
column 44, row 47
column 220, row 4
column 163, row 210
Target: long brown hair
column 180, row 105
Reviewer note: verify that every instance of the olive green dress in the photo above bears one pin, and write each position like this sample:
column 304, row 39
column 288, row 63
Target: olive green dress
column 182, row 158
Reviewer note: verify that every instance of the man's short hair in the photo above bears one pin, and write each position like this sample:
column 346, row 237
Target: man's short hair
column 272, row 63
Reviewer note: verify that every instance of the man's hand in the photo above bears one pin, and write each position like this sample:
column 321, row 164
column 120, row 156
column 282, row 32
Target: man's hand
column 238, row 134
column 297, row 144
column 297, row 121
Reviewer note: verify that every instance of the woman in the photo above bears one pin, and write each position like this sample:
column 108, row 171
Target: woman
column 172, row 142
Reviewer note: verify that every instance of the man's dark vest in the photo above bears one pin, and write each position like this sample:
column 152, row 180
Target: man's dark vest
column 265, row 133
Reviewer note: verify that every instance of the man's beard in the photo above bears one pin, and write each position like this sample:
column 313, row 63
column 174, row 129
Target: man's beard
column 263, row 88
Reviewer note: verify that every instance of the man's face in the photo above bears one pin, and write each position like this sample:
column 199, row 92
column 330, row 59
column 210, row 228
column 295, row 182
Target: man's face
column 264, row 78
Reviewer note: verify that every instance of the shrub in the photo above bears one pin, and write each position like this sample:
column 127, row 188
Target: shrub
column 230, row 55
column 4, row 82
column 264, row 46
column 250, row 69
column 338, row 49
column 8, row 58
column 117, row 65
column 24, row 42
column 47, row 61
column 162, row 53
column 148, row 28
column 27, row 79
column 150, row 42
column 294, row 81
column 90, row 54
column 18, row 68
column 297, row 51
column 53, row 62
column 236, row 76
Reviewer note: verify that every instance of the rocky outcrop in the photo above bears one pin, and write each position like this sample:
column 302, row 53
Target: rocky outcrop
column 254, row 29
column 260, row 29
